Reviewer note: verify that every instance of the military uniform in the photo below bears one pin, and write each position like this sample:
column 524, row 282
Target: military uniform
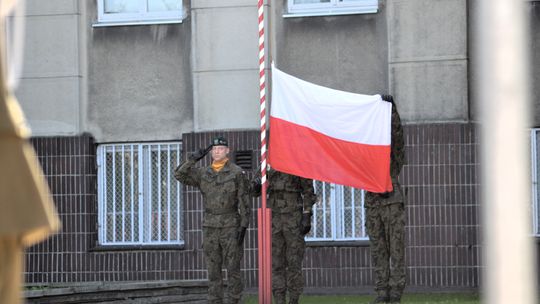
column 385, row 225
column 290, row 197
column 226, row 212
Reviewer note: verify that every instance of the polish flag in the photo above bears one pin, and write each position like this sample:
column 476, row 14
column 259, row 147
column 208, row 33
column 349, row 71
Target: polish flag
column 329, row 135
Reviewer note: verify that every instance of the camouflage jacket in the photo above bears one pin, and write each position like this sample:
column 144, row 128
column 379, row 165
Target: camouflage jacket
column 397, row 160
column 225, row 193
column 289, row 193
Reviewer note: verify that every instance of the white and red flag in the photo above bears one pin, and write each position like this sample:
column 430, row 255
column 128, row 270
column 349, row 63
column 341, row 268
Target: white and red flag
column 330, row 135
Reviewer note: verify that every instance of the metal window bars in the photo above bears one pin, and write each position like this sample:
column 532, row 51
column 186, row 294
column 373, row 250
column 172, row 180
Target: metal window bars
column 339, row 216
column 139, row 201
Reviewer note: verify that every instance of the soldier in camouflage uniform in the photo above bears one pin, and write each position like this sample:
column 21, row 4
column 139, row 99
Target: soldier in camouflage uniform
column 385, row 224
column 291, row 199
column 225, row 191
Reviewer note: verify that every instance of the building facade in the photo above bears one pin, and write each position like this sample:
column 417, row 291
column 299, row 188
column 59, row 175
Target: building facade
column 117, row 93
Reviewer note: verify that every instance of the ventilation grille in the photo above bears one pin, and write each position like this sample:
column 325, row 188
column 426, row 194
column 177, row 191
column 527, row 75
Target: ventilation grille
column 244, row 159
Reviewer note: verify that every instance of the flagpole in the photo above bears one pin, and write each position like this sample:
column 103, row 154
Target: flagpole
column 263, row 214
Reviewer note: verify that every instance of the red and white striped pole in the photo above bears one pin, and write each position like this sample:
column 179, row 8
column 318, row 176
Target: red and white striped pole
column 264, row 214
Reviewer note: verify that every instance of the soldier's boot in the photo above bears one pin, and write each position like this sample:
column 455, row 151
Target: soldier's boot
column 294, row 299
column 395, row 298
column 235, row 300
column 382, row 297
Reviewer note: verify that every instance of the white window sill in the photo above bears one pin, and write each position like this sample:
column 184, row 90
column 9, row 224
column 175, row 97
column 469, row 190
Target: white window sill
column 132, row 247
column 329, row 13
column 337, row 243
column 130, row 23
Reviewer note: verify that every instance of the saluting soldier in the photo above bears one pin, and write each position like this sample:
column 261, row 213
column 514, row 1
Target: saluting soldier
column 225, row 190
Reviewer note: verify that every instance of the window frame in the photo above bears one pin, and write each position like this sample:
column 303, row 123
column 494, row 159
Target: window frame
column 337, row 216
column 534, row 183
column 144, row 165
column 334, row 7
column 141, row 18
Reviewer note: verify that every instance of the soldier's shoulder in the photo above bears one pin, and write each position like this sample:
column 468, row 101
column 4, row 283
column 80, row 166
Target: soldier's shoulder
column 306, row 180
column 237, row 169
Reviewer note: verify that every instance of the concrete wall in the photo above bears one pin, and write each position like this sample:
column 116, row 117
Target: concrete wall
column 126, row 83
column 139, row 80
column 225, row 64
column 50, row 91
column 341, row 52
column 414, row 49
column 427, row 41
column 533, row 9
column 155, row 82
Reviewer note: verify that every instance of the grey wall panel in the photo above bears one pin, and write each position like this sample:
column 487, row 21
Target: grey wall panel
column 49, row 89
column 139, row 82
column 427, row 29
column 428, row 59
column 431, row 91
column 534, row 32
column 341, row 52
column 50, row 104
column 51, row 7
column 225, row 65
column 226, row 39
column 196, row 4
column 51, row 46
column 230, row 102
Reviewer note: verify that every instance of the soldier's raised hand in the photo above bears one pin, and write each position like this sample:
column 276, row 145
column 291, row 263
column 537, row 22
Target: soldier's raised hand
column 388, row 98
column 198, row 155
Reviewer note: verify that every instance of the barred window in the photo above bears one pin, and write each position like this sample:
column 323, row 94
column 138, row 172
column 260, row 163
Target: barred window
column 339, row 215
column 535, row 163
column 139, row 201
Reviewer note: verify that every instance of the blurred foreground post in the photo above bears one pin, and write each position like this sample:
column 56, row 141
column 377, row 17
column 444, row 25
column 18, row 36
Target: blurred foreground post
column 27, row 214
column 505, row 159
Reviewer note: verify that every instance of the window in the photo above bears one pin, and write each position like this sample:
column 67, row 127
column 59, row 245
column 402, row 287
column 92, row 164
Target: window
column 535, row 162
column 139, row 201
column 330, row 7
column 339, row 216
column 121, row 12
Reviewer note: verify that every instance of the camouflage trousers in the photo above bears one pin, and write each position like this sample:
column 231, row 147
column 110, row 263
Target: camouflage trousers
column 385, row 225
column 287, row 254
column 221, row 249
